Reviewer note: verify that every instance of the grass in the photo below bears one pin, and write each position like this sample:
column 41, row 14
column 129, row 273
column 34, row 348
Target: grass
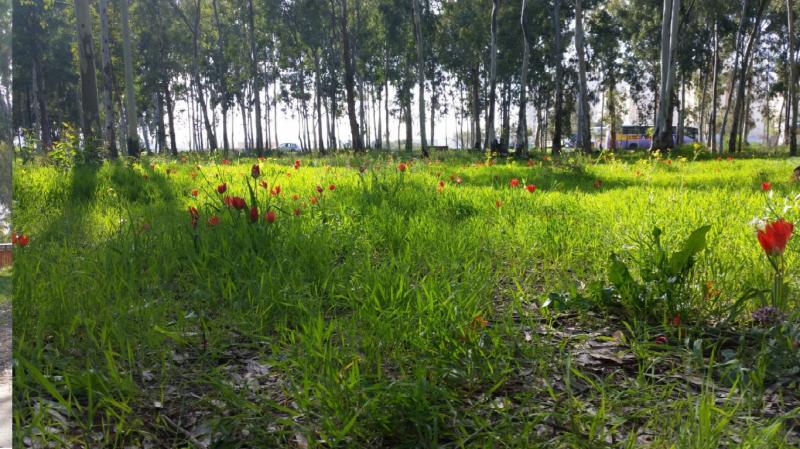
column 390, row 314
column 5, row 286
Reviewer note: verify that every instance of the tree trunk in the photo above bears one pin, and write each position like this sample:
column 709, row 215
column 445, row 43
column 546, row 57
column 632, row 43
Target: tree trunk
column 476, row 104
column 742, row 79
column 256, row 84
column 490, row 132
column 662, row 134
column 792, row 80
column 108, row 80
column 173, row 146
column 349, row 80
column 91, row 115
column 584, row 137
column 130, row 98
column 712, row 123
column 420, row 75
column 521, row 146
column 559, row 100
column 318, row 100
column 732, row 85
column 221, row 67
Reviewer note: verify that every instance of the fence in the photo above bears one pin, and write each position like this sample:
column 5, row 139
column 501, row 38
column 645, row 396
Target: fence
column 6, row 258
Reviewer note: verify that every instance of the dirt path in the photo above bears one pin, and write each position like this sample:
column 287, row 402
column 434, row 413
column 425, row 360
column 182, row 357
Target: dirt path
column 5, row 374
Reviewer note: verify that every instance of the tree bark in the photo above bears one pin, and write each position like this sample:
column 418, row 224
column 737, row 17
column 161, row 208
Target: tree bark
column 349, row 80
column 662, row 134
column 221, row 67
column 521, row 146
column 559, row 100
column 584, row 140
column 256, row 84
column 792, row 80
column 130, row 98
column 420, row 75
column 490, row 132
column 91, row 114
column 108, row 79
column 476, row 104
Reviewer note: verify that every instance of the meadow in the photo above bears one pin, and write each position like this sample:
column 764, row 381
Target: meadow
column 387, row 301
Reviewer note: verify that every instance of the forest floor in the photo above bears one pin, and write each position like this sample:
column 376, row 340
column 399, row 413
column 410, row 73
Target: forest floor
column 5, row 359
column 389, row 301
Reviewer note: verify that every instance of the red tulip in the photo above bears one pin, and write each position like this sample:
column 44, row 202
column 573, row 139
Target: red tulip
column 276, row 191
column 676, row 320
column 332, row 187
column 774, row 236
column 515, row 182
column 226, row 162
column 255, row 171
column 296, row 164
column 195, row 215
column 239, row 203
column 222, row 188
column 295, row 197
column 402, row 166
column 263, row 184
column 766, row 186
column 213, row 220
column 19, row 239
column 297, row 211
column 194, row 175
column 320, row 189
column 254, row 214
column 270, row 216
column 314, row 200
column 531, row 188
column 498, row 203
column 661, row 340
column 195, row 193
column 441, row 184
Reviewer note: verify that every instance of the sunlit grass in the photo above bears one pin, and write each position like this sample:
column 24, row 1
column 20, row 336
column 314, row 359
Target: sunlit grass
column 365, row 311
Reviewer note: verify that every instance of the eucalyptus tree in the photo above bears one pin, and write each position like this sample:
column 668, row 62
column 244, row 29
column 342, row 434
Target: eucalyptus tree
column 91, row 116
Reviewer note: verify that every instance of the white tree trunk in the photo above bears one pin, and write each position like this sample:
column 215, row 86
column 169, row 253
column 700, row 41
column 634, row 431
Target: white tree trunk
column 130, row 97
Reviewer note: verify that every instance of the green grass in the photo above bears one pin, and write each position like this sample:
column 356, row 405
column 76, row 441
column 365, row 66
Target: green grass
column 358, row 323
column 5, row 285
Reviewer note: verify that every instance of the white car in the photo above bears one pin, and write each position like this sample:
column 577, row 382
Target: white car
column 289, row 147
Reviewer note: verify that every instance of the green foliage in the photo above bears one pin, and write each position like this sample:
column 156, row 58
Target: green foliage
column 665, row 280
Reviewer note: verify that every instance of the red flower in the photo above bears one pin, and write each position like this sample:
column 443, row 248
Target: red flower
column 19, row 239
column 320, row 189
column 498, row 203
column 766, row 186
column 270, row 216
column 441, row 184
column 530, row 163
column 254, row 214
column 531, row 188
column 479, row 321
column 213, row 220
column 402, row 166
column 669, row 161
column 774, row 236
column 276, row 191
column 314, row 200
column 222, row 188
column 515, row 182
column 598, row 183
column 228, row 201
column 195, row 215
column 297, row 211
column 226, row 162
column 332, row 187
column 194, row 175
column 263, row 184
column 295, row 197
column 730, row 158
column 288, row 175
column 661, row 340
column 458, row 180
column 296, row 164
column 195, row 193
column 255, row 171
column 676, row 320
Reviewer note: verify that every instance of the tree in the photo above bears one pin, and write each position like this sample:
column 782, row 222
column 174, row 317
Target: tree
column 584, row 137
column 522, row 122
column 349, row 79
column 490, row 136
column 91, row 115
column 108, row 79
column 792, row 82
column 662, row 133
column 420, row 75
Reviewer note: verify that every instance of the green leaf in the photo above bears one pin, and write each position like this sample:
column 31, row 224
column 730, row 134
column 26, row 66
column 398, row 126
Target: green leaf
column 693, row 245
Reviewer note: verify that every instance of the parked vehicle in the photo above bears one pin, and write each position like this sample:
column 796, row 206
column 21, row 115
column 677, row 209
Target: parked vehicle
column 289, row 147
column 632, row 137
